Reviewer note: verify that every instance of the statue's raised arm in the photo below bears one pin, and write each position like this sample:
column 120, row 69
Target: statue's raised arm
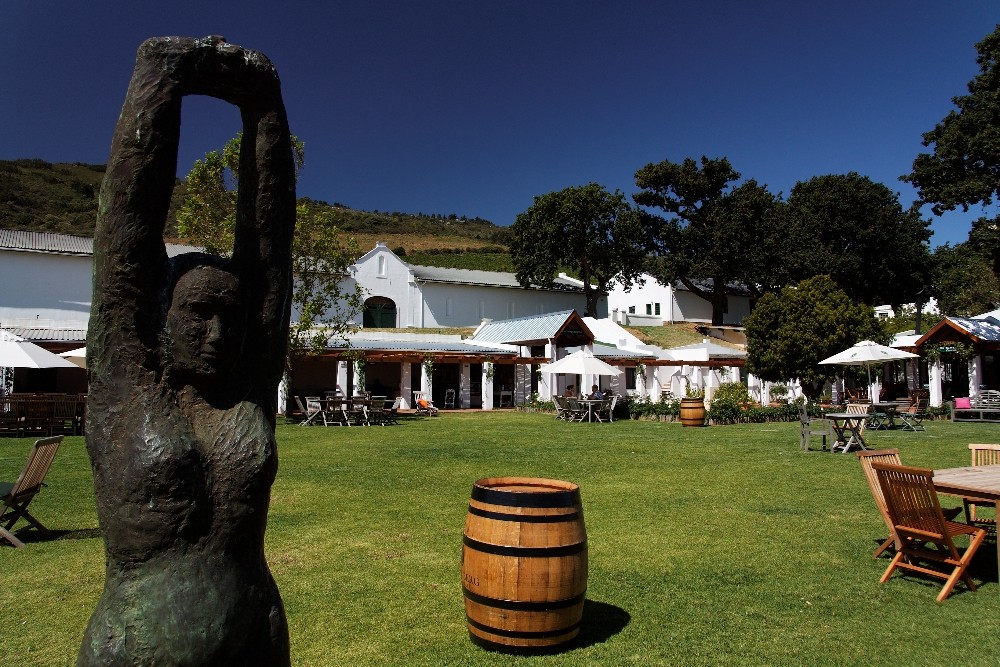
column 185, row 355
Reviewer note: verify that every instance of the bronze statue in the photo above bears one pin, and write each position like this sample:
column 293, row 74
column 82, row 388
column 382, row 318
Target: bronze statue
column 185, row 355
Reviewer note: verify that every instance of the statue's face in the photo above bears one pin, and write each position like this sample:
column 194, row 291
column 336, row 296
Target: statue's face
column 205, row 323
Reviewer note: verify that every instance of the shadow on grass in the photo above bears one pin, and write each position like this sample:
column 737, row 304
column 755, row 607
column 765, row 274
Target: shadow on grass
column 601, row 621
column 32, row 535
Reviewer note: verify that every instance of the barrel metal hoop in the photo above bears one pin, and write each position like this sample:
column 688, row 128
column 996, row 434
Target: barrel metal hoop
column 520, row 499
column 524, row 552
column 522, row 634
column 524, row 518
column 522, row 605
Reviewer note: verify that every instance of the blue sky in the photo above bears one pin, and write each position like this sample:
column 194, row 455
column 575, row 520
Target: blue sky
column 474, row 108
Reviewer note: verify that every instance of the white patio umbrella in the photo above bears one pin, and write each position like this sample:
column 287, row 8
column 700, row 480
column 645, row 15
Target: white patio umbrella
column 77, row 356
column 867, row 353
column 580, row 362
column 15, row 352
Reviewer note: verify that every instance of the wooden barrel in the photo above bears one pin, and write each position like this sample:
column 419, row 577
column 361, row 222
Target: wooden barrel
column 692, row 412
column 524, row 564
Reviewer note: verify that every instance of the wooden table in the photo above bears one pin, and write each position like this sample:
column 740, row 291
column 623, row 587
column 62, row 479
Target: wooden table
column 591, row 402
column 842, row 423
column 971, row 481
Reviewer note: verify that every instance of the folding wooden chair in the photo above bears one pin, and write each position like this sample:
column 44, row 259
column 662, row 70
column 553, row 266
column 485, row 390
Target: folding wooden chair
column 15, row 498
column 982, row 455
column 867, row 458
column 917, row 518
column 913, row 416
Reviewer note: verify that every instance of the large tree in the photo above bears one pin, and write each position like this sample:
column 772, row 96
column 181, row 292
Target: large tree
column 715, row 233
column 964, row 283
column 586, row 229
column 323, row 304
column 791, row 331
column 855, row 230
column 964, row 168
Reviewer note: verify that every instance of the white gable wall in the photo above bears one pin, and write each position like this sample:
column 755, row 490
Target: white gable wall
column 45, row 289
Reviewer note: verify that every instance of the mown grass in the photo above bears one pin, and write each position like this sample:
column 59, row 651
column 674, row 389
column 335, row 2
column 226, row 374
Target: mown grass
column 716, row 546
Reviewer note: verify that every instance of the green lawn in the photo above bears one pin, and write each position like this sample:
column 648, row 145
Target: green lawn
column 716, row 546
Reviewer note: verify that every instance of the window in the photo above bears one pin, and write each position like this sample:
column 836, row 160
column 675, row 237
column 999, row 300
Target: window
column 656, row 308
column 381, row 265
column 631, row 310
column 649, row 309
column 629, row 379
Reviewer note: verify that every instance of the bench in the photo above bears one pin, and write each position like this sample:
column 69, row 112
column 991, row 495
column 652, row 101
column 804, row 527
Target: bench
column 985, row 408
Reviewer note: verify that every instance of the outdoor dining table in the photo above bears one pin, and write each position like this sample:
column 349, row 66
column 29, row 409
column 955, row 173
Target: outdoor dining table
column 590, row 403
column 971, row 481
column 844, row 423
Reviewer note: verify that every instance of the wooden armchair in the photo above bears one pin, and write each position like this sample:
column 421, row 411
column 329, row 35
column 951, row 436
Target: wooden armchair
column 917, row 518
column 982, row 455
column 15, row 498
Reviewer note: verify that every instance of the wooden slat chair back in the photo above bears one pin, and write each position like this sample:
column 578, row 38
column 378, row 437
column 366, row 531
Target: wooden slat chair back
column 577, row 413
column 982, row 455
column 314, row 411
column 867, row 458
column 15, row 498
column 916, row 515
column 562, row 409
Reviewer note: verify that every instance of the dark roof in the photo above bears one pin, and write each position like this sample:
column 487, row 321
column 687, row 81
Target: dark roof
column 439, row 274
column 64, row 244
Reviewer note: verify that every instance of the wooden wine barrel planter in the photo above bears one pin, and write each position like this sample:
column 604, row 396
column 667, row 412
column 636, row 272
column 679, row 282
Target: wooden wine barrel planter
column 692, row 412
column 524, row 564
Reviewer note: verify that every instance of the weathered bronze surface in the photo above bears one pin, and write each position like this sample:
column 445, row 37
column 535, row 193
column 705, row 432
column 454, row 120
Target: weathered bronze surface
column 185, row 355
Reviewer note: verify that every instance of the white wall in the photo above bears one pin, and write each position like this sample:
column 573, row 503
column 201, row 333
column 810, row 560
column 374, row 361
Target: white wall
column 44, row 289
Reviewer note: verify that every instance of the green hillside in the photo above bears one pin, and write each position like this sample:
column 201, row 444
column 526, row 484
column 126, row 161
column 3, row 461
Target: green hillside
column 62, row 197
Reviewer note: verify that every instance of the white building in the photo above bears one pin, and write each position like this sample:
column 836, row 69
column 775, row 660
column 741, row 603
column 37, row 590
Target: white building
column 654, row 304
column 402, row 295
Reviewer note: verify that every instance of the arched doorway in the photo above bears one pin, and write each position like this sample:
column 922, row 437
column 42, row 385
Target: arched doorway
column 380, row 313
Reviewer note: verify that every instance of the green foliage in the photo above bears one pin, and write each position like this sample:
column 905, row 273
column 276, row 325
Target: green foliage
column 469, row 258
column 964, row 281
column 594, row 231
column 731, row 391
column 790, row 332
column 644, row 407
column 713, row 231
column 856, row 231
column 322, row 307
column 964, row 168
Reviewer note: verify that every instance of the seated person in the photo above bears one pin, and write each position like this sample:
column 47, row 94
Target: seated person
column 596, row 393
column 571, row 391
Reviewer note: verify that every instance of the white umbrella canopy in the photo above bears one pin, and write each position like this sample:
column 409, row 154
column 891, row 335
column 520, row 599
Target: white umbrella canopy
column 868, row 353
column 580, row 362
column 18, row 353
column 77, row 356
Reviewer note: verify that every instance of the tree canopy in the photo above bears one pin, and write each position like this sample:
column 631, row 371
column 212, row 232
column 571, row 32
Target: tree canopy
column 856, row 231
column 791, row 331
column 964, row 283
column 322, row 306
column 964, row 168
column 714, row 234
column 593, row 232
